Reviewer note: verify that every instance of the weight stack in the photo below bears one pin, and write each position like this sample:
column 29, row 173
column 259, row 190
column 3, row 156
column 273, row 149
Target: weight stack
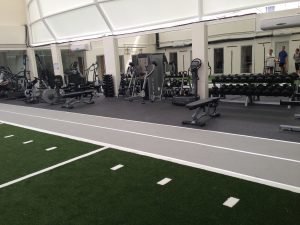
column 108, row 85
column 123, row 84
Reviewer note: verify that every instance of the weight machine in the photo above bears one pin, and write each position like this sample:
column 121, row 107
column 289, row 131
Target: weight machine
column 80, row 90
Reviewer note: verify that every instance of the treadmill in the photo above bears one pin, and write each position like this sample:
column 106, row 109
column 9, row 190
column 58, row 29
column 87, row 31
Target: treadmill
column 182, row 100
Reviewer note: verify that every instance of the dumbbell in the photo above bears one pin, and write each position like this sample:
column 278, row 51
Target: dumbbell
column 250, row 90
column 294, row 76
column 243, row 89
column 260, row 78
column 234, row 90
column 269, row 79
column 226, row 90
column 222, row 79
column 258, row 90
column 288, row 91
column 267, row 91
column 277, row 89
column 222, row 89
column 216, row 89
column 252, row 79
column 243, row 78
column 216, row 79
column 278, row 79
column 229, row 78
column 236, row 78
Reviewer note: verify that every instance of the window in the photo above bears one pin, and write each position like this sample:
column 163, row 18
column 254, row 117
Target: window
column 69, row 57
column 246, row 59
column 219, row 60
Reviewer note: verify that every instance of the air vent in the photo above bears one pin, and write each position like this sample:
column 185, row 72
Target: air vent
column 279, row 23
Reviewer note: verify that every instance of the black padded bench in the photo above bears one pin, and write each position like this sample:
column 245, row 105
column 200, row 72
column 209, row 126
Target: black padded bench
column 205, row 108
column 73, row 98
column 78, row 94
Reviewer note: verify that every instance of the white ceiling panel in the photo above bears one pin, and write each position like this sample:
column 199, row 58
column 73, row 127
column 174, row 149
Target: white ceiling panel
column 211, row 7
column 34, row 13
column 54, row 6
column 78, row 23
column 126, row 14
column 40, row 33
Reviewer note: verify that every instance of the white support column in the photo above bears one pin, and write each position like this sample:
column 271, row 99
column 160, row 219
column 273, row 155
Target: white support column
column 112, row 63
column 200, row 50
column 57, row 60
column 32, row 63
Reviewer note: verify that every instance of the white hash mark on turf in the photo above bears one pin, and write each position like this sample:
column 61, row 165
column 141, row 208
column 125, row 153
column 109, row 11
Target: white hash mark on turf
column 51, row 149
column 164, row 181
column 230, row 202
column 27, row 142
column 9, row 136
column 117, row 167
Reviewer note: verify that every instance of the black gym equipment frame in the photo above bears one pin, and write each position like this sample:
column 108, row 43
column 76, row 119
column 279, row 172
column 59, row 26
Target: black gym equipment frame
column 205, row 108
column 297, row 116
column 142, row 93
column 182, row 100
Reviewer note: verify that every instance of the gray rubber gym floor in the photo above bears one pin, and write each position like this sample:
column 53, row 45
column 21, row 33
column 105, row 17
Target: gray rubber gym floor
column 254, row 120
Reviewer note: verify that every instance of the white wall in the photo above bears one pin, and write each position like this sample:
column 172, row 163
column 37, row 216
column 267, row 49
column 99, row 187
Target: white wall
column 135, row 45
column 12, row 21
column 238, row 28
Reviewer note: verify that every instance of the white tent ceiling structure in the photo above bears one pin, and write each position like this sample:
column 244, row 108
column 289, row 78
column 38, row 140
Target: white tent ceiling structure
column 56, row 21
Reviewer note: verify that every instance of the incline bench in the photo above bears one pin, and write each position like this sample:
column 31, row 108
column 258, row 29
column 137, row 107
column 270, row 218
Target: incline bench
column 205, row 108
column 73, row 98
column 297, row 116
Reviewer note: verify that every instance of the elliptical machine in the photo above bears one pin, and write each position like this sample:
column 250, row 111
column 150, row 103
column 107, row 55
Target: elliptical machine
column 142, row 93
column 182, row 100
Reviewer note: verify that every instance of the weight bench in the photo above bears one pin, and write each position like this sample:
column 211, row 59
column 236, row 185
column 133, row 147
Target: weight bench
column 297, row 116
column 205, row 108
column 73, row 98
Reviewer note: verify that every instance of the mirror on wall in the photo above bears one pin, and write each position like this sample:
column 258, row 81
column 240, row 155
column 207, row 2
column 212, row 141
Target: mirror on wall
column 44, row 61
column 69, row 57
column 14, row 59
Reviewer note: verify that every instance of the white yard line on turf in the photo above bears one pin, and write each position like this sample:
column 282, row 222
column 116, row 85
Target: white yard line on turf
column 231, row 202
column 155, row 124
column 117, row 167
column 160, row 137
column 164, row 181
column 9, row 136
column 51, row 149
column 170, row 159
column 51, row 168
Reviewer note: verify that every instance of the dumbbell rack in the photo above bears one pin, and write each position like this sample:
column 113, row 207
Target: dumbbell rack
column 125, row 83
column 172, row 84
column 254, row 85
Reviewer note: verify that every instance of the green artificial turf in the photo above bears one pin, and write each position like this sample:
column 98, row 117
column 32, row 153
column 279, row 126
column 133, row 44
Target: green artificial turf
column 17, row 160
column 88, row 192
